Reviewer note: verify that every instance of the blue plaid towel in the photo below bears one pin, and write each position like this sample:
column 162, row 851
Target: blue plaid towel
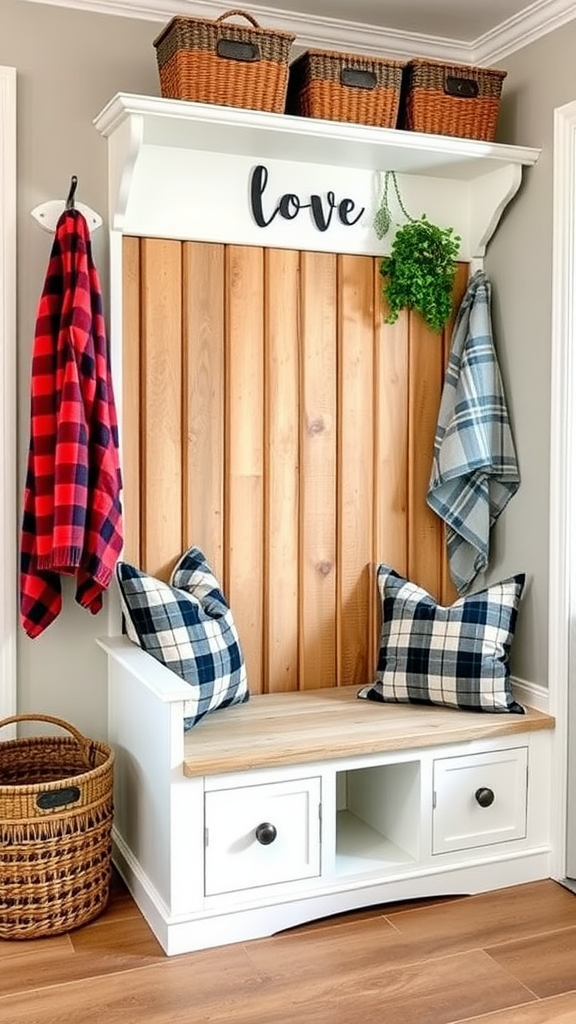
column 474, row 470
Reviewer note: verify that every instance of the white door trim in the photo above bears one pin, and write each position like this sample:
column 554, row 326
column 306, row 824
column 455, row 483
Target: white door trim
column 562, row 635
column 8, row 528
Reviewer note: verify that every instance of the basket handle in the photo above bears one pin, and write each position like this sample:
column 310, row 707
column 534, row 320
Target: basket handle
column 242, row 14
column 82, row 740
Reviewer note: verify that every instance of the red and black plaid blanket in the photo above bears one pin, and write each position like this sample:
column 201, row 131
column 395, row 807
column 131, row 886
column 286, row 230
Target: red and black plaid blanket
column 72, row 519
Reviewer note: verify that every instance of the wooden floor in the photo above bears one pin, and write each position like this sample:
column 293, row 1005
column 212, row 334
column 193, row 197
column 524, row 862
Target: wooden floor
column 506, row 957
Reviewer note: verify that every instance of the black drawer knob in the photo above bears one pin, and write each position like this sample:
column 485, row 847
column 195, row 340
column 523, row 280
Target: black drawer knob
column 266, row 833
column 484, row 796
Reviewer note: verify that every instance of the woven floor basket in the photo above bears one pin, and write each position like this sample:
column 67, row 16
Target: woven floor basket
column 55, row 830
column 452, row 99
column 229, row 64
column 345, row 87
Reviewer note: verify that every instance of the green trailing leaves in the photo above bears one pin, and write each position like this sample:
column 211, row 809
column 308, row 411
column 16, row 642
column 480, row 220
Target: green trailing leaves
column 419, row 272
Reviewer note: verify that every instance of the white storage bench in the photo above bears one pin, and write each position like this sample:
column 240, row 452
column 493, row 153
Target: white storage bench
column 295, row 806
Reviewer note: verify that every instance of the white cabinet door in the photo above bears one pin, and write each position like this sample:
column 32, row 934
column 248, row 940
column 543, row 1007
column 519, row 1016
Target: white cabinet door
column 262, row 835
column 479, row 799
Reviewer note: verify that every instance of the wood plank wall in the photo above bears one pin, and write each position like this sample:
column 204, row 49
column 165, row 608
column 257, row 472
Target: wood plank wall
column 271, row 418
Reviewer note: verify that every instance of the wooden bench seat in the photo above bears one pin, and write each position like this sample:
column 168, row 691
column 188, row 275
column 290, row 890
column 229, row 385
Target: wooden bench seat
column 273, row 730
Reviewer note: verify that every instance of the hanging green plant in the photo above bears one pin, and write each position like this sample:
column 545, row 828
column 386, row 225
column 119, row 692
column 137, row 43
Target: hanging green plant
column 419, row 272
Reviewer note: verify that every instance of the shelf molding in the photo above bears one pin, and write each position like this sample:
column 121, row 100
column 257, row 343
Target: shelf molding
column 167, row 175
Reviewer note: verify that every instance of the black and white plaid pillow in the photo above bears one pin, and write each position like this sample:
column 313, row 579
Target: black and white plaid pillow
column 187, row 625
column 456, row 656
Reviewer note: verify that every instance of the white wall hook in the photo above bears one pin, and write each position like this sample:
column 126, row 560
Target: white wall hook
column 48, row 214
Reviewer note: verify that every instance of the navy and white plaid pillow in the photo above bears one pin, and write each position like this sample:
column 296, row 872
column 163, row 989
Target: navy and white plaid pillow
column 456, row 656
column 187, row 624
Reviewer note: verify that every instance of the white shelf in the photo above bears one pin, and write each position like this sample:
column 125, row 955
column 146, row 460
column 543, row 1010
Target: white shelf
column 185, row 170
column 181, row 124
column 360, row 849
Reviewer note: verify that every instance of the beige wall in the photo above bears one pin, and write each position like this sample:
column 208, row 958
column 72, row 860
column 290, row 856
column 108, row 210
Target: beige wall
column 519, row 262
column 69, row 65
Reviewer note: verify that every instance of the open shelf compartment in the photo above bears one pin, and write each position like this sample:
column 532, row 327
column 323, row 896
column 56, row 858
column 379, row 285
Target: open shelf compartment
column 378, row 818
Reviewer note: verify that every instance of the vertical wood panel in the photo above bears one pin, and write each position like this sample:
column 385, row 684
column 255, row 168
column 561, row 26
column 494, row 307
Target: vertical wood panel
column 390, row 452
column 131, row 398
column 317, row 629
column 426, row 543
column 425, row 374
column 355, row 493
column 162, row 404
column 203, row 413
column 281, row 453
column 391, row 436
column 244, row 358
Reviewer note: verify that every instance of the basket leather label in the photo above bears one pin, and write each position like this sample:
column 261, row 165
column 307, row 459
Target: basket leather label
column 57, row 798
column 233, row 49
column 290, row 205
column 465, row 87
column 358, row 78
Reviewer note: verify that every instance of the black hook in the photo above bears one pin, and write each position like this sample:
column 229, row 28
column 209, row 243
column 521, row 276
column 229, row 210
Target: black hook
column 72, row 192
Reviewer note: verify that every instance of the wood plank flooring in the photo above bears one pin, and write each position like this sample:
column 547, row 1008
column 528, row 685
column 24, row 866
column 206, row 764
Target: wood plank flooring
column 506, row 957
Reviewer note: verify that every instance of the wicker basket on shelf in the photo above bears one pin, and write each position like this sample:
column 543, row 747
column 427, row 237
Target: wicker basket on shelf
column 451, row 99
column 345, row 87
column 56, row 809
column 227, row 63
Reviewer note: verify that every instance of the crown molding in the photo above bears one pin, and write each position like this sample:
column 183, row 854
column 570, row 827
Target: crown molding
column 310, row 31
column 537, row 20
column 515, row 33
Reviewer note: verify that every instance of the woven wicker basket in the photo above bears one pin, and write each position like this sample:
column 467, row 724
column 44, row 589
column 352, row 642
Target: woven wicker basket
column 345, row 87
column 229, row 64
column 55, row 830
column 451, row 99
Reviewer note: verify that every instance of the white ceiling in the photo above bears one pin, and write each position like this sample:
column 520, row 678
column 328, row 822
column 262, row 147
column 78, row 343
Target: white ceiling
column 463, row 20
column 474, row 31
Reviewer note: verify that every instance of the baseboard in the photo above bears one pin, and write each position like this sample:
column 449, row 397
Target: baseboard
column 139, row 886
column 531, row 694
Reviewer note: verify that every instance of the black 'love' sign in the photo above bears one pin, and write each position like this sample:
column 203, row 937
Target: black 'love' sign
column 289, row 205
